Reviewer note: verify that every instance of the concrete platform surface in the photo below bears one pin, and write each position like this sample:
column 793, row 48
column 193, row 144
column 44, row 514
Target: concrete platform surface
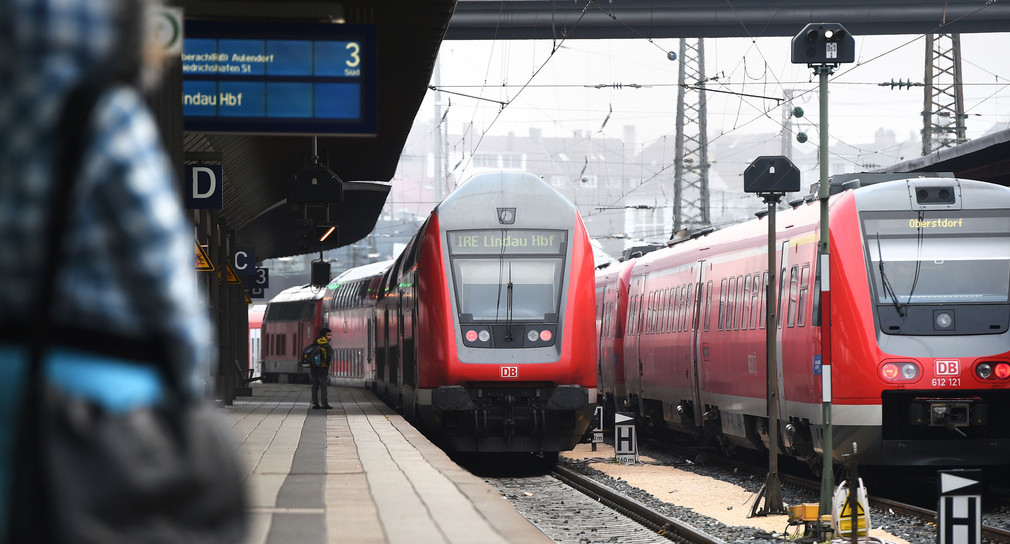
column 358, row 473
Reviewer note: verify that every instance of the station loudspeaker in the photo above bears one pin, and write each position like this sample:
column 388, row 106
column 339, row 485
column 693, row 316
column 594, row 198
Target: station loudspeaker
column 320, row 273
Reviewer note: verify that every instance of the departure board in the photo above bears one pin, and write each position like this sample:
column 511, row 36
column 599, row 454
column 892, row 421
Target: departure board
column 279, row 78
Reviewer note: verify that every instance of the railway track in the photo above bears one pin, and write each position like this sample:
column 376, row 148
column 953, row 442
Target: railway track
column 917, row 523
column 663, row 525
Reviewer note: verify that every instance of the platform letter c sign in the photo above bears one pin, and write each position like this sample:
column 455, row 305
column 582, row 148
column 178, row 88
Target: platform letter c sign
column 206, row 183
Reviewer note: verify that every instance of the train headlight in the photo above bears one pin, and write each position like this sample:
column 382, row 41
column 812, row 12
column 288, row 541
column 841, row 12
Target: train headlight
column 983, row 370
column 532, row 335
column 1003, row 370
column 546, row 335
column 909, row 371
column 943, row 320
column 998, row 370
column 484, row 335
column 903, row 371
column 471, row 335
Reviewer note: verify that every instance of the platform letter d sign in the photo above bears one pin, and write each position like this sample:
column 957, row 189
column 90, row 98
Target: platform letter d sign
column 206, row 182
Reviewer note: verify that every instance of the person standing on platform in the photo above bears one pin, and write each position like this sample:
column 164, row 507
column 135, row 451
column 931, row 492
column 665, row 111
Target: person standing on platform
column 320, row 373
column 125, row 267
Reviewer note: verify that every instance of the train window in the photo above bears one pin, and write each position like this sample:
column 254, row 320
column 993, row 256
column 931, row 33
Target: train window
column 801, row 318
column 664, row 298
column 496, row 289
column 631, row 314
column 708, row 303
column 662, row 310
column 634, row 314
column 639, row 314
column 508, row 274
column 610, row 320
column 739, row 314
column 781, row 293
column 762, row 312
column 688, row 317
column 722, row 304
column 745, row 313
column 657, row 313
column 677, row 307
column 730, row 304
column 938, row 257
column 657, row 317
column 755, row 294
column 685, row 308
column 691, row 321
column 794, row 294
column 647, row 328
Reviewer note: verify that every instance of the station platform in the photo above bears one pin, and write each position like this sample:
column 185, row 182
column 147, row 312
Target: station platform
column 358, row 473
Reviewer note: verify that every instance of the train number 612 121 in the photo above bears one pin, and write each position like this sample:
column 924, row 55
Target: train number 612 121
column 946, row 382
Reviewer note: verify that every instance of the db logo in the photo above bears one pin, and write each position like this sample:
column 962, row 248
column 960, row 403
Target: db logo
column 509, row 372
column 947, row 368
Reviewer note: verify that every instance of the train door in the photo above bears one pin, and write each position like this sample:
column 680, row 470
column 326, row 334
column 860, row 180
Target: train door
column 697, row 305
column 405, row 331
column 382, row 355
column 604, row 344
column 394, row 363
column 633, row 351
column 369, row 371
column 783, row 273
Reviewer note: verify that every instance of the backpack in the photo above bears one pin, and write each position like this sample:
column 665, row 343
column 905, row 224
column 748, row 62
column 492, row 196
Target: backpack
column 312, row 355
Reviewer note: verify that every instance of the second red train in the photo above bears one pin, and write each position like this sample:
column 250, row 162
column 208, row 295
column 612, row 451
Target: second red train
column 917, row 342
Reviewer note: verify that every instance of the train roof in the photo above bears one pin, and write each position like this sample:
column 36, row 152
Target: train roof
column 361, row 272
column 297, row 293
column 256, row 312
column 483, row 197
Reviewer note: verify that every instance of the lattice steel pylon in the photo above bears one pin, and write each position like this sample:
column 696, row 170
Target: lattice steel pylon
column 943, row 118
column 690, row 191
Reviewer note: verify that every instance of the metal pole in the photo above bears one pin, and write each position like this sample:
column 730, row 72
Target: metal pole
column 773, row 488
column 827, row 452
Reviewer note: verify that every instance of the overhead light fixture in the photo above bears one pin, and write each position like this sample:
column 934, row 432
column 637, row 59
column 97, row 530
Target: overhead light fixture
column 328, row 233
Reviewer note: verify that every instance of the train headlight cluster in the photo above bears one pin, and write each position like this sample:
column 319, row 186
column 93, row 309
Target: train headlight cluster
column 477, row 337
column 900, row 371
column 536, row 336
column 993, row 370
column 533, row 336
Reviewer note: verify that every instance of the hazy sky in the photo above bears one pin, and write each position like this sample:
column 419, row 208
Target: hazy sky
column 551, row 86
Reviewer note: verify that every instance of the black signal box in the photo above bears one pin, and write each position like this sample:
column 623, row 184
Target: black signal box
column 775, row 174
column 823, row 43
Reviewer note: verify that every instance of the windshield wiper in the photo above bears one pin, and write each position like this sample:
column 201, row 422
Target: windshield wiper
column 888, row 290
column 508, row 307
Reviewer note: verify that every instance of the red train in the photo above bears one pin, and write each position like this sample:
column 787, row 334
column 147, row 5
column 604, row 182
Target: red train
column 483, row 330
column 349, row 311
column 292, row 320
column 918, row 333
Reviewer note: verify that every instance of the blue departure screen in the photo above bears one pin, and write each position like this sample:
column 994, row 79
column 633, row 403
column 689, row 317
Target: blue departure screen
column 278, row 78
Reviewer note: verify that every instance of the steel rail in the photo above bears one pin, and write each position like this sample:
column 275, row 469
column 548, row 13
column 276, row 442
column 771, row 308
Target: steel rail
column 670, row 528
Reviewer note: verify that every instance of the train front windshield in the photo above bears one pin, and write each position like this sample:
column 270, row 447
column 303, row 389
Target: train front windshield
column 938, row 257
column 508, row 274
